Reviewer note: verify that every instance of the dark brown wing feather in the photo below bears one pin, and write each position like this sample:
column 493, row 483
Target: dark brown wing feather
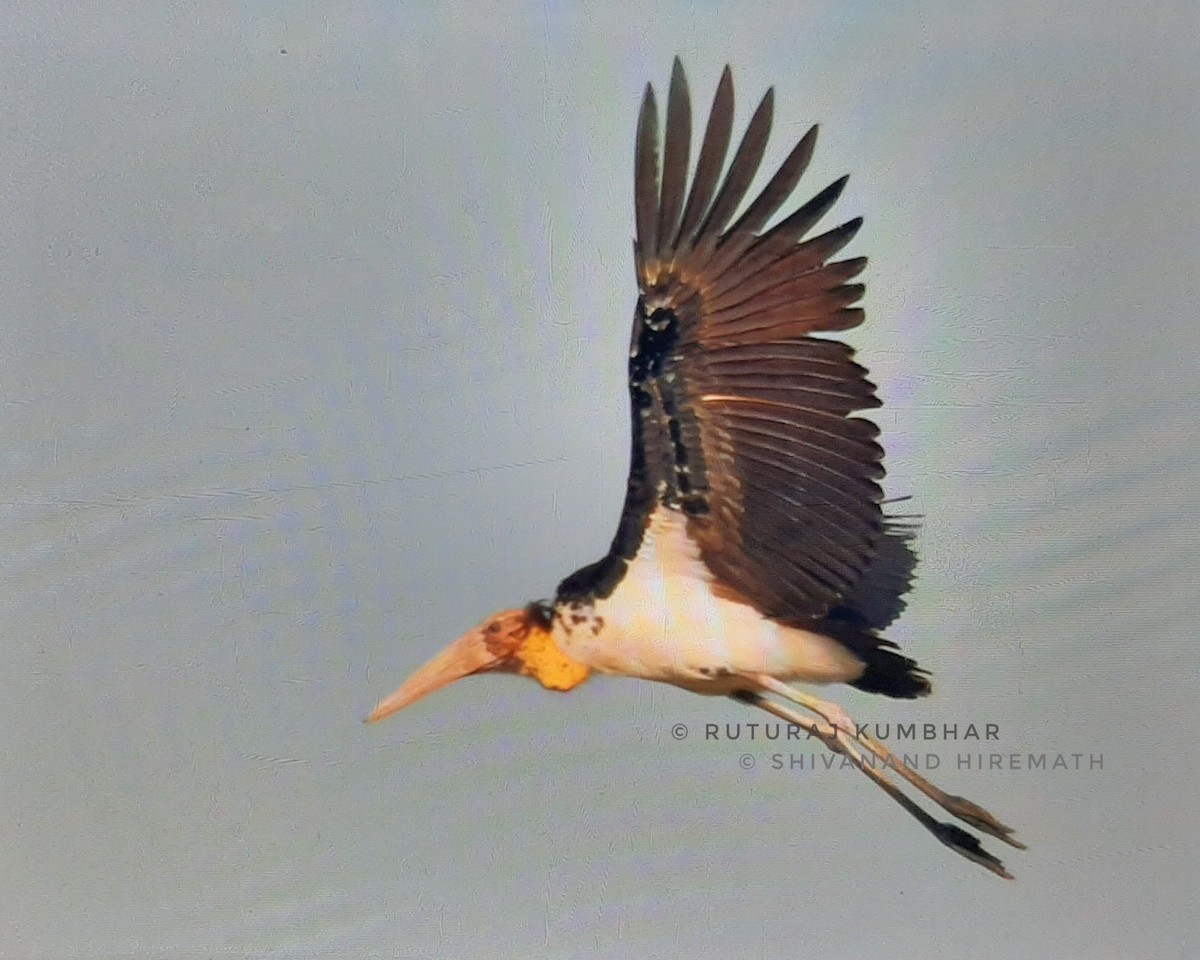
column 743, row 420
column 878, row 598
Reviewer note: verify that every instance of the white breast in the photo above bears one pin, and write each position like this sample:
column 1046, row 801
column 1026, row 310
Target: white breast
column 664, row 622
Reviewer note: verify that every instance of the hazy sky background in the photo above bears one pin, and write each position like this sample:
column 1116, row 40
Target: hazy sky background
column 312, row 323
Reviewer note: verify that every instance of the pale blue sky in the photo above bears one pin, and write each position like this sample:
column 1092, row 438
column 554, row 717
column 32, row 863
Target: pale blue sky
column 311, row 359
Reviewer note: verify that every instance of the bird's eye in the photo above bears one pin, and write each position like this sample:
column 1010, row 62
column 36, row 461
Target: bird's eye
column 493, row 628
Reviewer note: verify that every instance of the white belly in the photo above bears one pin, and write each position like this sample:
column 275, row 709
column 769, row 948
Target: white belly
column 664, row 622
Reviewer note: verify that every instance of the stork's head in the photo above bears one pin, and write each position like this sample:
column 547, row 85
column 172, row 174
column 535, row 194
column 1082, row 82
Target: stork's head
column 512, row 641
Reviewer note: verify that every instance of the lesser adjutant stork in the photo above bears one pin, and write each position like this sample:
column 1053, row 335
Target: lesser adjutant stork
column 752, row 551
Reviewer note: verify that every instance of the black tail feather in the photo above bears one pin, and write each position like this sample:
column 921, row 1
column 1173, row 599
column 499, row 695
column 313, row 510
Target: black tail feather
column 887, row 670
column 892, row 674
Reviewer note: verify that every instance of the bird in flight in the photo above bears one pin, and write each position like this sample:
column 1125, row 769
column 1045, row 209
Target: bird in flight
column 752, row 551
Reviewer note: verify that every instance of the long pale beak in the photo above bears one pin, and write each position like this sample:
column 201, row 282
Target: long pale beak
column 467, row 655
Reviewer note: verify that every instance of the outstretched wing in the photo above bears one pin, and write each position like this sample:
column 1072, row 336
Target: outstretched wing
column 741, row 418
column 745, row 417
